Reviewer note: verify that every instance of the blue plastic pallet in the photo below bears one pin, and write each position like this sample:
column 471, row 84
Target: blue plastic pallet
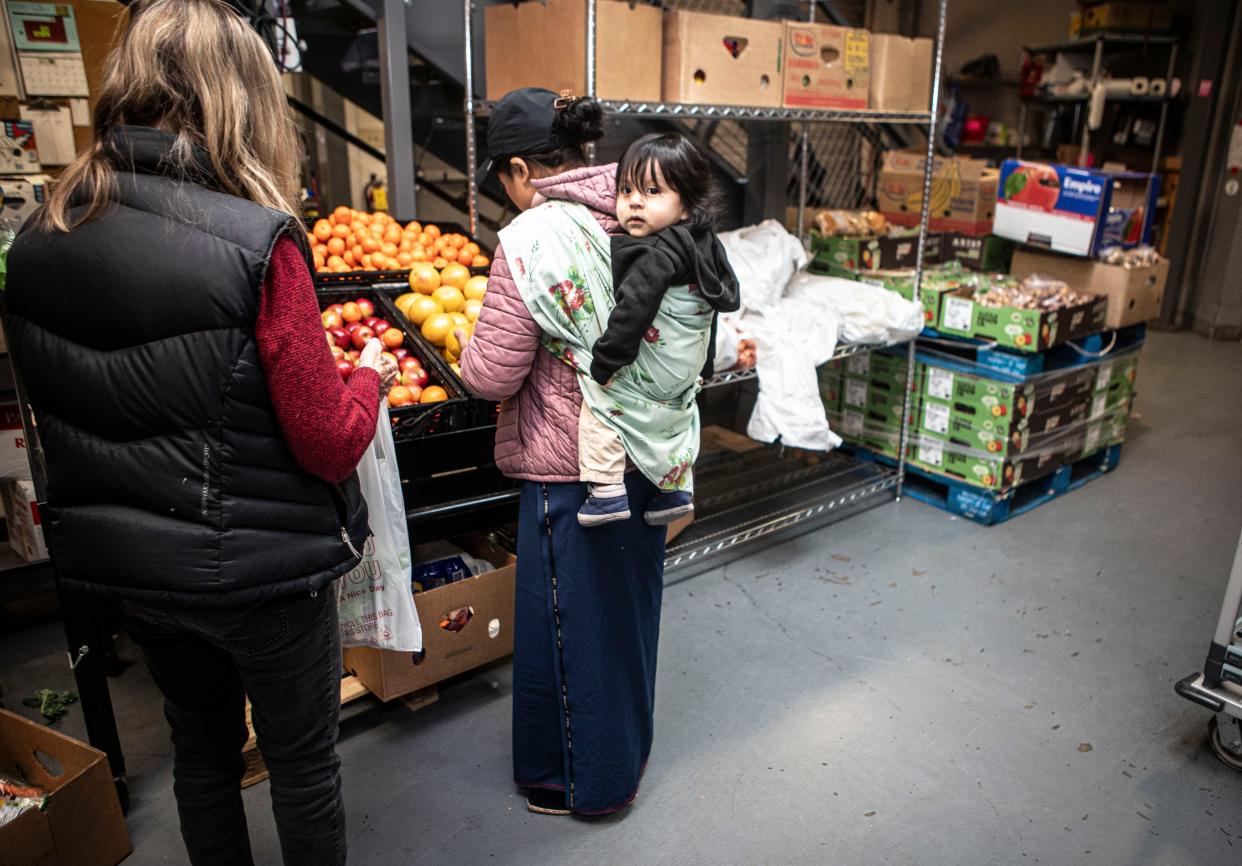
column 987, row 507
column 984, row 359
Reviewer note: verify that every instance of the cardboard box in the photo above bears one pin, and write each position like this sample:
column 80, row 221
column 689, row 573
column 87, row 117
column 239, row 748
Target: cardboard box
column 900, row 72
column 981, row 470
column 721, row 60
column 21, row 197
column 978, row 396
column 1134, row 294
column 25, row 526
column 19, row 153
column 1014, row 328
column 880, row 252
column 628, row 55
column 826, row 66
column 1141, row 16
column 1045, row 429
column 14, row 456
column 989, row 253
column 1079, row 211
column 963, row 192
column 82, row 824
column 448, row 650
column 936, row 284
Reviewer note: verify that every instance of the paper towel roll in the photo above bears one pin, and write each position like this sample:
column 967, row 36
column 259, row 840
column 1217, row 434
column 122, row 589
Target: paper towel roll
column 1095, row 112
column 1126, row 86
column 1158, row 87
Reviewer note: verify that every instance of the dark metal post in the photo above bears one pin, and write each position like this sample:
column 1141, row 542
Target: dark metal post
column 395, row 96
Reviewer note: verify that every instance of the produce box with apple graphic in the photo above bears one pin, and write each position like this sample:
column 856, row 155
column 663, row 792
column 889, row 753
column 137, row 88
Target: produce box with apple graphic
column 1023, row 329
column 986, row 253
column 982, row 469
column 1079, row 211
column 873, row 253
column 1046, row 429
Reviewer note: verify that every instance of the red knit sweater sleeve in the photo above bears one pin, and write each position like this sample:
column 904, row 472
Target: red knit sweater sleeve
column 327, row 422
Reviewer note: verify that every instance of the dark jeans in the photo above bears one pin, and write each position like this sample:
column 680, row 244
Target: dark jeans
column 285, row 654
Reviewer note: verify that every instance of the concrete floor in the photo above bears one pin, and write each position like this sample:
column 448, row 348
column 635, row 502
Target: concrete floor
column 903, row 687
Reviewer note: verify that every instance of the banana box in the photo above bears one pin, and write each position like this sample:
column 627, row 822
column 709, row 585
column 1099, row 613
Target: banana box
column 963, row 195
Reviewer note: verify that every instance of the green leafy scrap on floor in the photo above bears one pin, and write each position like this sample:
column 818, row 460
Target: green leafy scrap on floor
column 51, row 704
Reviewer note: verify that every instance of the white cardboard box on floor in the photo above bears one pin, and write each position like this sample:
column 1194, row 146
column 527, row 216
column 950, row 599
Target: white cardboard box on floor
column 21, row 511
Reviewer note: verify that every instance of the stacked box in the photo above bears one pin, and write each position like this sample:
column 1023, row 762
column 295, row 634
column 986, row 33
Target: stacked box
column 1020, row 329
column 870, row 393
column 873, row 253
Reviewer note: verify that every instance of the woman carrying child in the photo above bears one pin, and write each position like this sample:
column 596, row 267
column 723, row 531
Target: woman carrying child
column 588, row 601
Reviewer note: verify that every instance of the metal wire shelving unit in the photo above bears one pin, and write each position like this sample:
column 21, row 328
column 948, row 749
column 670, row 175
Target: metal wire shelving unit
column 760, row 497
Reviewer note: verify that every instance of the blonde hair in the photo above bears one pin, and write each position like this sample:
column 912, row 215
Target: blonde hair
column 193, row 68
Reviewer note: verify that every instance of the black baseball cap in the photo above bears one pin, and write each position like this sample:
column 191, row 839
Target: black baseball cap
column 521, row 125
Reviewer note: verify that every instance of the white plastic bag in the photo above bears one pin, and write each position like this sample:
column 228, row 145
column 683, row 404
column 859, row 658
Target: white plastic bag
column 868, row 314
column 791, row 342
column 376, row 599
column 763, row 257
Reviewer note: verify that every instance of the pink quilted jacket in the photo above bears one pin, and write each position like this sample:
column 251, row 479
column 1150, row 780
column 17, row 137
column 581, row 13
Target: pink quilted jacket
column 537, row 435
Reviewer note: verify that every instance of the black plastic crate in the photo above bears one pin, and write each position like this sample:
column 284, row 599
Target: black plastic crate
column 420, row 419
column 393, row 279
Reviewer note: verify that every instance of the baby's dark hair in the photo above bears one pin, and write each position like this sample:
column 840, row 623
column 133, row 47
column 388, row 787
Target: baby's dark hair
column 578, row 122
column 685, row 169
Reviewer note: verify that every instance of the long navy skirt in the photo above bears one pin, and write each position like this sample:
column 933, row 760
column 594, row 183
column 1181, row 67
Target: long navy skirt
column 585, row 639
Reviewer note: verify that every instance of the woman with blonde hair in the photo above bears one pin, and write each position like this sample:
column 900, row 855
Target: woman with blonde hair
column 200, row 444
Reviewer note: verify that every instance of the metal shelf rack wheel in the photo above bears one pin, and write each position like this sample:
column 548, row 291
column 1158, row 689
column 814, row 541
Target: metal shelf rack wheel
column 737, row 510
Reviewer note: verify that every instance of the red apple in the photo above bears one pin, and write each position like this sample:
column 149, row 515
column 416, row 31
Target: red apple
column 339, row 309
column 340, row 336
column 402, row 353
column 370, row 321
column 353, row 326
column 361, row 336
column 344, row 368
column 407, row 364
column 418, row 377
column 352, row 356
column 380, row 327
column 368, row 308
column 338, row 354
column 330, row 320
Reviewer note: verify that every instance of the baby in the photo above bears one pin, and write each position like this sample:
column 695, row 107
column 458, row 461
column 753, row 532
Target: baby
column 669, row 269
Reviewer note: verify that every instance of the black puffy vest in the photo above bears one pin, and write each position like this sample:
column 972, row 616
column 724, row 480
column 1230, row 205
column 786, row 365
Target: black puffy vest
column 168, row 475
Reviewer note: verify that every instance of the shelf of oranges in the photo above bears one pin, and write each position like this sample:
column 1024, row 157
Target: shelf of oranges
column 352, row 247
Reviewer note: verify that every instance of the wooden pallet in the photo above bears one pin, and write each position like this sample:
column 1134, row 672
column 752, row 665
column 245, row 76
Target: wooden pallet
column 984, row 358
column 351, row 690
column 989, row 508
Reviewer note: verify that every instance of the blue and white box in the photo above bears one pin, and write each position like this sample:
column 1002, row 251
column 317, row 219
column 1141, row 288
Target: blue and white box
column 1079, row 211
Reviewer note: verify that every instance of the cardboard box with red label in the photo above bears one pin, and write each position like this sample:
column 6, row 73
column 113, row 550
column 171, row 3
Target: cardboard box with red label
column 1079, row 211
column 722, row 60
column 827, row 67
column 963, row 192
